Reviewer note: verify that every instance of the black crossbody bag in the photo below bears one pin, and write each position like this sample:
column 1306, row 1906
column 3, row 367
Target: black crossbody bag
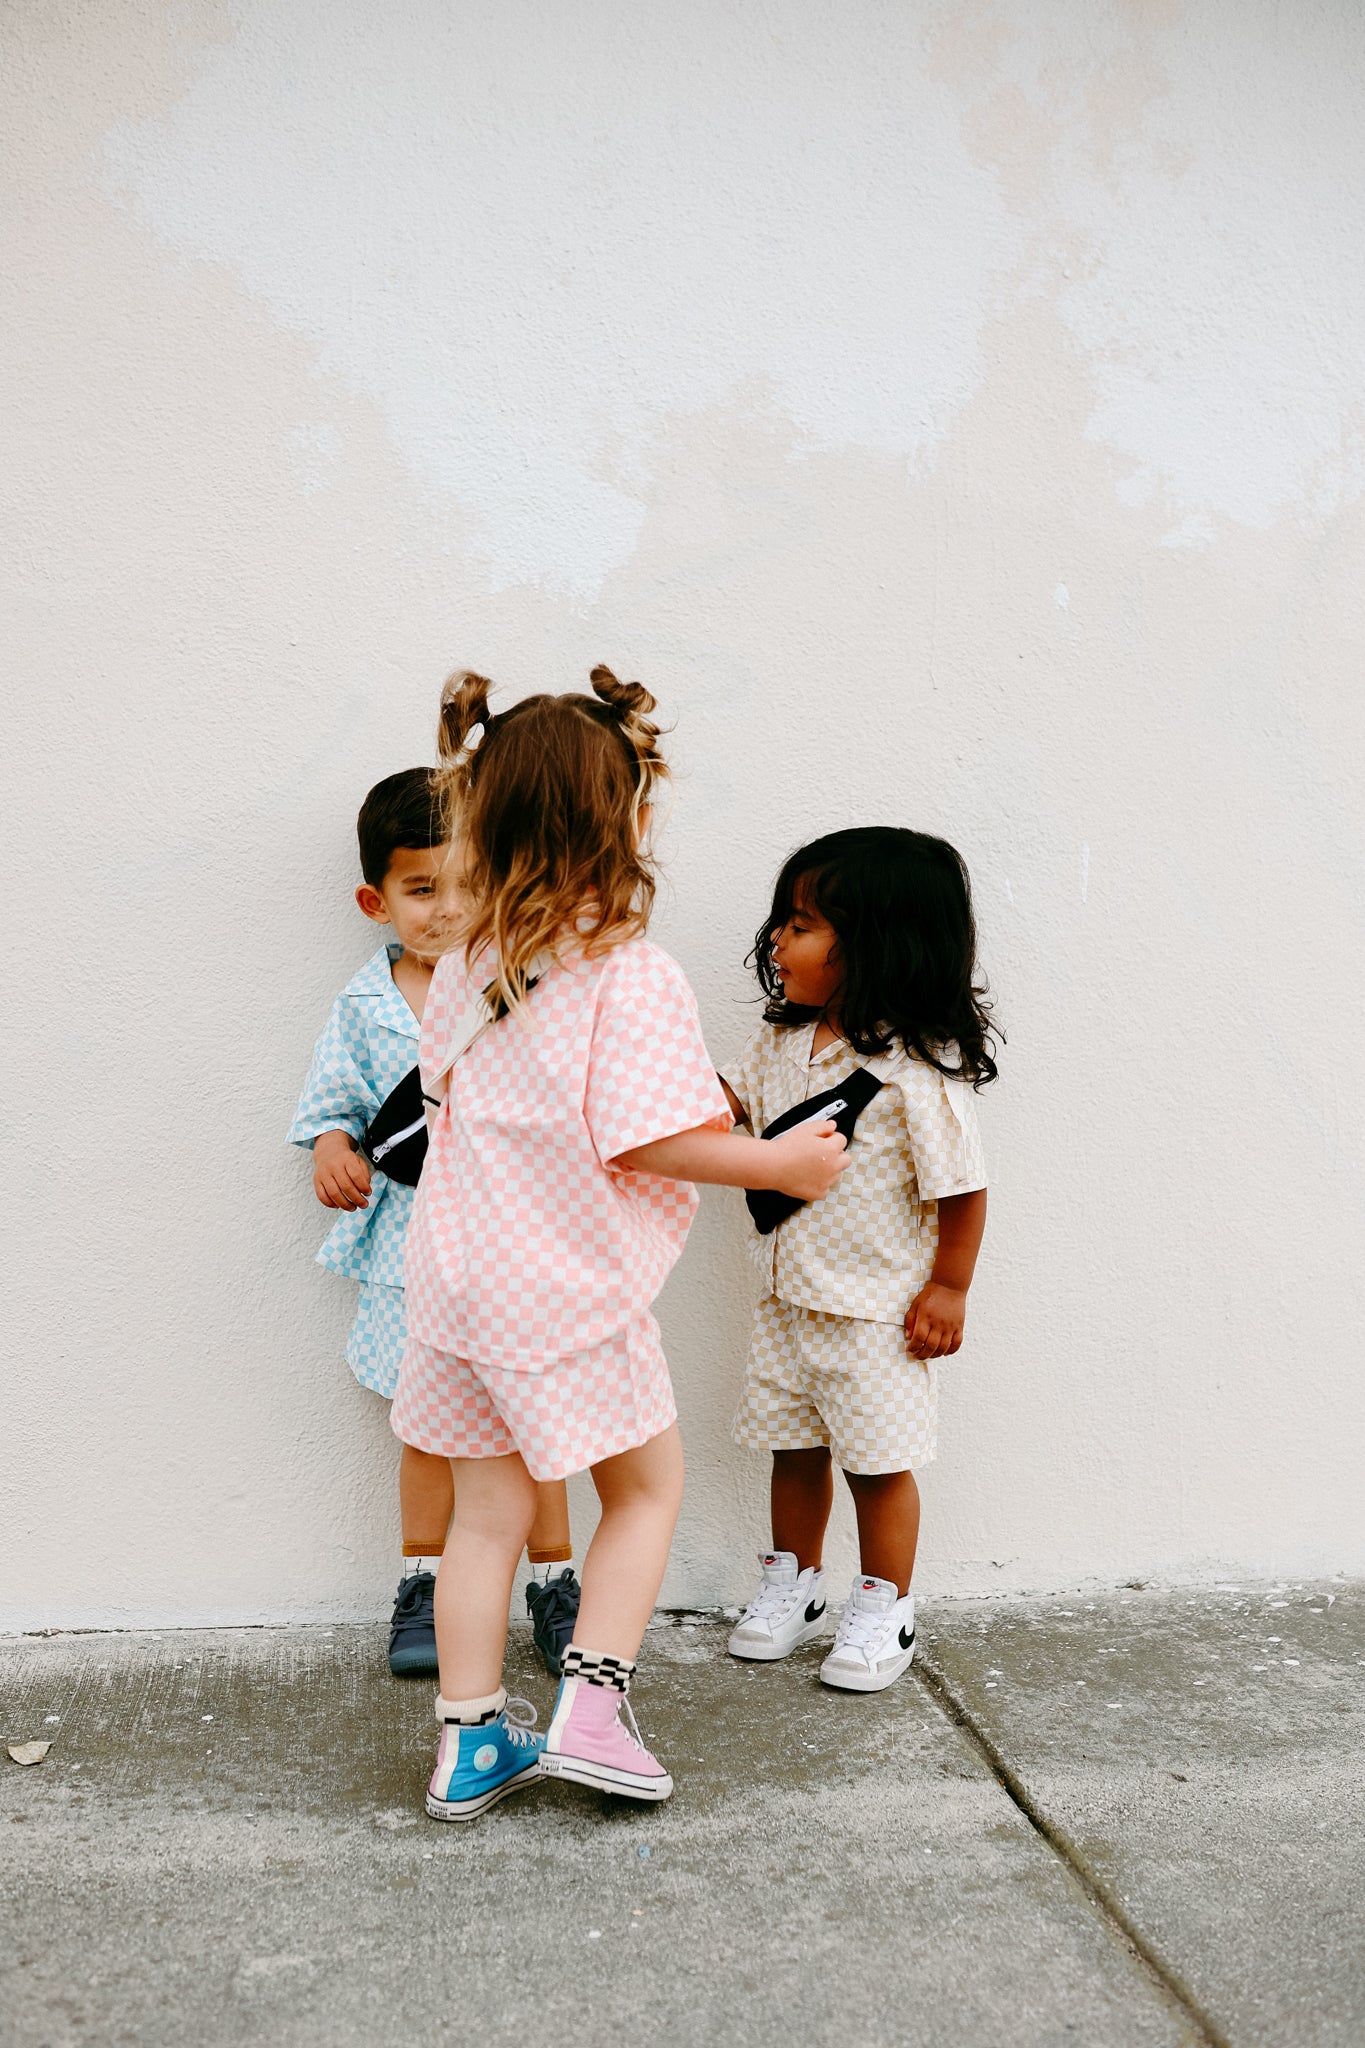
column 841, row 1105
column 395, row 1139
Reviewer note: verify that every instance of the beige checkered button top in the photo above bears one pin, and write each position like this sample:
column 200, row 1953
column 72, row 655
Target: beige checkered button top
column 867, row 1247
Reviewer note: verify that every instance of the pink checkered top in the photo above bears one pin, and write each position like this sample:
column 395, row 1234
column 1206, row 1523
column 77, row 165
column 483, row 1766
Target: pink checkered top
column 526, row 1244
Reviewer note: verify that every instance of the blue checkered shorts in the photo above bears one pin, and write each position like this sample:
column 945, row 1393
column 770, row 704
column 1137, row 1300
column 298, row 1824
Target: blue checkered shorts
column 374, row 1349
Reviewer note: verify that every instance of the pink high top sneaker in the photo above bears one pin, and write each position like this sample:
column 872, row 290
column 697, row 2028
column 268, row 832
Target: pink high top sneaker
column 587, row 1743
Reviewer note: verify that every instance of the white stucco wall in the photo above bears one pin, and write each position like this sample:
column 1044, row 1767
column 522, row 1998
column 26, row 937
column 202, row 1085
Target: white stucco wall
column 953, row 411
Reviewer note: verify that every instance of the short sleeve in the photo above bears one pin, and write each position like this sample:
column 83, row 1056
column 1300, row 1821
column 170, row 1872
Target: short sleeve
column 649, row 1073
column 745, row 1076
column 337, row 1095
column 945, row 1137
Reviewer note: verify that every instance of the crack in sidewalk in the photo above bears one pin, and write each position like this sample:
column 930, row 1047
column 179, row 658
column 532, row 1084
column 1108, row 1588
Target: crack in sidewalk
column 1101, row 1896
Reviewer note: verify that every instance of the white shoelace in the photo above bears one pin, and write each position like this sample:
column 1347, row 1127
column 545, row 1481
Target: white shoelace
column 633, row 1731
column 858, row 1630
column 770, row 1603
column 519, row 1725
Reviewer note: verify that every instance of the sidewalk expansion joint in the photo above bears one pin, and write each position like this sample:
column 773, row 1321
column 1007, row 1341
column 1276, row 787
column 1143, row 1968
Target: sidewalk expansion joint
column 1101, row 1896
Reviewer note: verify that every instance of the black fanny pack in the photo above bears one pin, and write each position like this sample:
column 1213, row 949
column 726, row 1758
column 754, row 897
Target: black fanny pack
column 395, row 1139
column 841, row 1106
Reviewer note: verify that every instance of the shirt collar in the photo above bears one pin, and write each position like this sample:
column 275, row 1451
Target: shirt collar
column 374, row 983
column 797, row 1044
column 797, row 1047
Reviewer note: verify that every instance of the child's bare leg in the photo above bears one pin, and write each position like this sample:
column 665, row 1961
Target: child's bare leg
column 640, row 1492
column 549, row 1541
column 495, row 1502
column 887, row 1507
column 802, row 1494
column 425, row 1497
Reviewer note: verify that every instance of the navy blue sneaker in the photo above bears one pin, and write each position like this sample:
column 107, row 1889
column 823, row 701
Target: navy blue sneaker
column 553, row 1609
column 412, row 1636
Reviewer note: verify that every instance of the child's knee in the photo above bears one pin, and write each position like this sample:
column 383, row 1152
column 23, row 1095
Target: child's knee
column 813, row 1459
column 495, row 1500
column 427, row 1464
column 649, row 1476
column 503, row 1524
column 873, row 1484
column 424, row 1476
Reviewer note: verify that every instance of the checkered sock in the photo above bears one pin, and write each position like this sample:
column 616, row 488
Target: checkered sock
column 613, row 1672
column 472, row 1713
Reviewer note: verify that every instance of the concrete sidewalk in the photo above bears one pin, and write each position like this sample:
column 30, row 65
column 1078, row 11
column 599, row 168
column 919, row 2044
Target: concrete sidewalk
column 1134, row 1818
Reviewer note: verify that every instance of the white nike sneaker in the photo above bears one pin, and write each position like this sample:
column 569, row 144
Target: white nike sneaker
column 875, row 1639
column 788, row 1609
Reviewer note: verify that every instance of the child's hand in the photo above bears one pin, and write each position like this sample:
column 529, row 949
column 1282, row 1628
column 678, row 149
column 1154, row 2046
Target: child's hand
column 341, row 1175
column 934, row 1321
column 808, row 1160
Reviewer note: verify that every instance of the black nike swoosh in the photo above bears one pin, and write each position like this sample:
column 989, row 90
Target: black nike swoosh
column 907, row 1640
column 813, row 1612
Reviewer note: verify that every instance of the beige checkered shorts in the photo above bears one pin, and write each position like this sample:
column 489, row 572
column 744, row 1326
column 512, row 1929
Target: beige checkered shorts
column 816, row 1379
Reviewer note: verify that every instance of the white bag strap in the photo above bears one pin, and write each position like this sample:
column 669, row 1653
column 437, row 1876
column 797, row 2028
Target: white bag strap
column 478, row 1018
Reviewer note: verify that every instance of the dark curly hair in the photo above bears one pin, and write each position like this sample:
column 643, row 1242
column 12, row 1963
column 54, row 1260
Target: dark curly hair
column 900, row 903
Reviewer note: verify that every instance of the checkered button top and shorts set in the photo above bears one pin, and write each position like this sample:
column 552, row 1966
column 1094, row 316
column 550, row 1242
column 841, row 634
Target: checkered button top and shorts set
column 531, row 1260
column 368, row 1044
column 828, row 1363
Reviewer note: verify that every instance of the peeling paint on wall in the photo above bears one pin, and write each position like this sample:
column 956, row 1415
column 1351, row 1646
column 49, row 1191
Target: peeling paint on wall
column 1189, row 175
column 563, row 226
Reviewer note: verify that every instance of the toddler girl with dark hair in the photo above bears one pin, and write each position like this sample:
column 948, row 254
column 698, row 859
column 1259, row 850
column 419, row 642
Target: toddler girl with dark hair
column 876, row 1021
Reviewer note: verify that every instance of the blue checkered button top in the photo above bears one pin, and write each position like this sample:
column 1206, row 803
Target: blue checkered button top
column 369, row 1043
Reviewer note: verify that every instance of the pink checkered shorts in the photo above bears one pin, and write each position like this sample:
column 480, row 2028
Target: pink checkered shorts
column 573, row 1414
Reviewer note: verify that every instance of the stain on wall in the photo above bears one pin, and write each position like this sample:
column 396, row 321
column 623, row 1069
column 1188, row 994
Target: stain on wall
column 952, row 412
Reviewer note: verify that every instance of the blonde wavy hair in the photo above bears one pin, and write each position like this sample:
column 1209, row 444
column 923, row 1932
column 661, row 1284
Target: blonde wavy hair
column 546, row 802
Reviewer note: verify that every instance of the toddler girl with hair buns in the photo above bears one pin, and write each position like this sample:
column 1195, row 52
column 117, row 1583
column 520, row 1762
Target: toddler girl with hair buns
column 573, row 1102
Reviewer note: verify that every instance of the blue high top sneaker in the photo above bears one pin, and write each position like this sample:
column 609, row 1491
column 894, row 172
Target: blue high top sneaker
column 481, row 1760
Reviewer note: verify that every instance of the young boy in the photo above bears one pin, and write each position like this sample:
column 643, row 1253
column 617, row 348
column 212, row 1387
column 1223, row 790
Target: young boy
column 368, row 1046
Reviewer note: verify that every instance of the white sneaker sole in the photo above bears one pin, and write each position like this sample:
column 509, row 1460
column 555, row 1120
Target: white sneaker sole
column 470, row 1809
column 849, row 1678
column 754, row 1650
column 602, row 1778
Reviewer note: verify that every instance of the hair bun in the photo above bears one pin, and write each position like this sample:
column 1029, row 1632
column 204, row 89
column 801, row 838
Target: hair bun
column 464, row 705
column 627, row 700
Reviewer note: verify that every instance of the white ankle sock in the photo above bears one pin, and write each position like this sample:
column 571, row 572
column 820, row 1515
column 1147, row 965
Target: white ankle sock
column 472, row 1713
column 541, row 1574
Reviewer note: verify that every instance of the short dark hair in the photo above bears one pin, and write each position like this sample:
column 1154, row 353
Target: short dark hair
column 900, row 903
column 402, row 810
